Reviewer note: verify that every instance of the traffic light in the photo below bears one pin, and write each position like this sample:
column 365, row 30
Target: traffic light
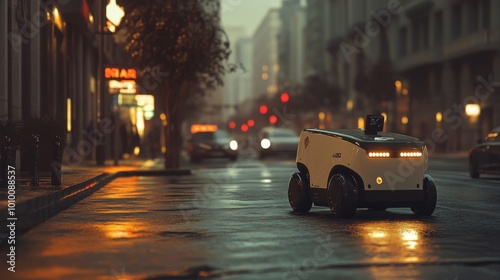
column 285, row 97
column 244, row 127
column 251, row 123
column 273, row 119
column 263, row 109
column 232, row 125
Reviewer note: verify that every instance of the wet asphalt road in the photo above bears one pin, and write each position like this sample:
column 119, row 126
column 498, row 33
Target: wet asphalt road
column 233, row 221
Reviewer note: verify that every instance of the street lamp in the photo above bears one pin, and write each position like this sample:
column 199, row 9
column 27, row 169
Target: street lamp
column 110, row 16
column 114, row 14
column 473, row 110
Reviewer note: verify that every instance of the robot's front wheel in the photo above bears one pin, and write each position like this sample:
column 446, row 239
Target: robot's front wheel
column 342, row 196
column 428, row 206
column 298, row 193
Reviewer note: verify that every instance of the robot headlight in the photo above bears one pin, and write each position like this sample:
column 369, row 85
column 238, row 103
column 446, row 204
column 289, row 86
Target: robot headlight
column 402, row 154
column 410, row 154
column 379, row 154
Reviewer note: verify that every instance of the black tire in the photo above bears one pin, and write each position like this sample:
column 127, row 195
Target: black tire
column 429, row 205
column 342, row 196
column 298, row 193
column 473, row 170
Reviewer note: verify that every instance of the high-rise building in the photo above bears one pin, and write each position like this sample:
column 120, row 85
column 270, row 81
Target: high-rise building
column 231, row 88
column 291, row 43
column 316, row 34
column 243, row 54
column 265, row 55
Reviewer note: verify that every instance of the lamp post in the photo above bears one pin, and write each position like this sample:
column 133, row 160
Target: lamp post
column 110, row 17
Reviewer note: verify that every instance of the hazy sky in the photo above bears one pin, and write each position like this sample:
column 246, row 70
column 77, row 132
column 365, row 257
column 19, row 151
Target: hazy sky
column 246, row 13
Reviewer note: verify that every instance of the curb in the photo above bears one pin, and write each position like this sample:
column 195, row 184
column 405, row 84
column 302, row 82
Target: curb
column 32, row 212
column 177, row 172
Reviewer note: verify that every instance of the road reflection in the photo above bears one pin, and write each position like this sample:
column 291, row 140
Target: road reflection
column 124, row 229
column 399, row 243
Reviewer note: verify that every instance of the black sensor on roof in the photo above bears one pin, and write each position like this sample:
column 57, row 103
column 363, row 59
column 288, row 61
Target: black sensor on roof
column 374, row 124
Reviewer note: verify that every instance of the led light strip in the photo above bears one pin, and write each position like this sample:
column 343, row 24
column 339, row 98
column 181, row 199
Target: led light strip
column 379, row 154
column 410, row 154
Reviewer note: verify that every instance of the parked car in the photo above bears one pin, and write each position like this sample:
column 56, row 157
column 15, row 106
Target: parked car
column 484, row 158
column 275, row 141
column 346, row 169
column 212, row 144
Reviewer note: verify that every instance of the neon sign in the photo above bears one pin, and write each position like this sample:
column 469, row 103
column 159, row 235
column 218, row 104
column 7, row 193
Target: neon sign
column 120, row 73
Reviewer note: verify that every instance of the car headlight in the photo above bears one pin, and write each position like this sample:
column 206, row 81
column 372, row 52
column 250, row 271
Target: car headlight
column 233, row 145
column 265, row 143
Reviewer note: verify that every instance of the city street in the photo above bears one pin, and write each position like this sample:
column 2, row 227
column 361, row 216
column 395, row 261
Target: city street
column 233, row 221
column 138, row 139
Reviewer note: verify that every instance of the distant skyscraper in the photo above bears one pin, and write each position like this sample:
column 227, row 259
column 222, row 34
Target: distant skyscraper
column 265, row 55
column 291, row 43
column 316, row 34
column 231, row 89
column 243, row 53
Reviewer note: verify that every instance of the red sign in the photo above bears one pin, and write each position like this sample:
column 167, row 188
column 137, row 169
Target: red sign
column 120, row 73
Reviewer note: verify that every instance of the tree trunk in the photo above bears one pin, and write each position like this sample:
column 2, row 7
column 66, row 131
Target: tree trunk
column 173, row 133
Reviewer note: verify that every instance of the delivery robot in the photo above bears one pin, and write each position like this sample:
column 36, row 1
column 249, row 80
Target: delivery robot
column 346, row 169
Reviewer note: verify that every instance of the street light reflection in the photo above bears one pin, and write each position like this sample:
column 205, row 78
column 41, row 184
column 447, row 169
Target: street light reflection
column 114, row 169
column 123, row 230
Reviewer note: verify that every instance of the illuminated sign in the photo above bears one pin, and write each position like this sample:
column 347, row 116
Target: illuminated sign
column 120, row 73
column 123, row 86
column 195, row 128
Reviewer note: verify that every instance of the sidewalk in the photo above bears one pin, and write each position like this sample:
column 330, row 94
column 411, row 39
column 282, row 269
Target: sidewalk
column 33, row 206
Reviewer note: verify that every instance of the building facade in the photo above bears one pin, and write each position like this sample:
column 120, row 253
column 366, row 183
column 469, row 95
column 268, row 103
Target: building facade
column 442, row 57
column 448, row 59
column 49, row 60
